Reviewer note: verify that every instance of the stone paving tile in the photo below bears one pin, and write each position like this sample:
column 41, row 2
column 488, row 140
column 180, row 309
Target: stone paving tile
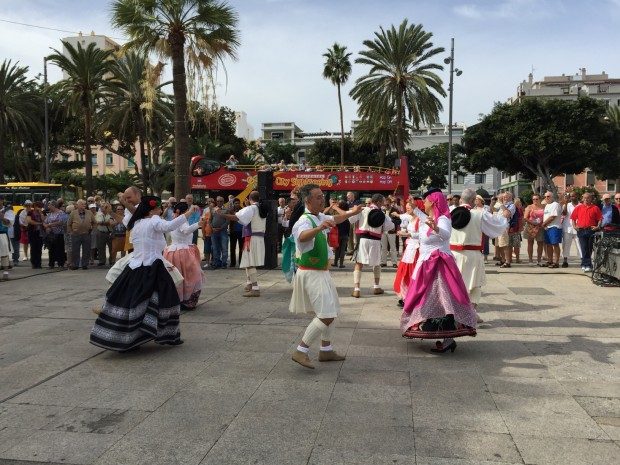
column 567, row 451
column 550, row 417
column 61, row 446
column 11, row 436
column 258, row 440
column 348, row 457
column 28, row 416
column 474, row 446
column 375, row 440
column 98, row 421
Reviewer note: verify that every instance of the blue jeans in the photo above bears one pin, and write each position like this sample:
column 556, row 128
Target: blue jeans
column 219, row 244
column 585, row 237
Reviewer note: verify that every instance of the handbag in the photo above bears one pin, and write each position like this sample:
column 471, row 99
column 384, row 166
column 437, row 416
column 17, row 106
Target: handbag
column 333, row 238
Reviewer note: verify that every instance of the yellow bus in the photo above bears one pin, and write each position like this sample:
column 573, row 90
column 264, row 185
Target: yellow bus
column 16, row 193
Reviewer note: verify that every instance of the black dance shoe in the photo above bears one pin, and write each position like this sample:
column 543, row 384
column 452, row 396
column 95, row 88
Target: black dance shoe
column 440, row 349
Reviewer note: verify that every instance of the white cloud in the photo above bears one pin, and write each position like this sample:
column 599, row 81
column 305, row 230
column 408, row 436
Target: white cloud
column 511, row 9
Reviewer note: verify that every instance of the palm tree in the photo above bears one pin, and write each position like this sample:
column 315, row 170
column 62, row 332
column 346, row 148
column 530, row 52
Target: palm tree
column 338, row 69
column 87, row 70
column 134, row 101
column 379, row 130
column 19, row 107
column 400, row 77
column 199, row 32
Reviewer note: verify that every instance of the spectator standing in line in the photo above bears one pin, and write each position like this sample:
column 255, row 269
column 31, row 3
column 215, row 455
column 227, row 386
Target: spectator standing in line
column 587, row 219
column 104, row 233
column 480, row 205
column 68, row 237
column 607, row 209
column 552, row 223
column 352, row 201
column 81, row 223
column 35, row 220
column 533, row 230
column 194, row 216
column 516, row 248
column 389, row 238
column 6, row 226
column 569, row 234
column 55, row 225
column 281, row 209
column 9, row 215
column 207, row 231
column 93, row 208
column 504, row 240
column 236, row 236
column 118, row 232
column 23, row 224
column 168, row 215
column 219, row 236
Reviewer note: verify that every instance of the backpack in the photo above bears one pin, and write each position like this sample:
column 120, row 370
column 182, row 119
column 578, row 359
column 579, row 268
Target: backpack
column 513, row 224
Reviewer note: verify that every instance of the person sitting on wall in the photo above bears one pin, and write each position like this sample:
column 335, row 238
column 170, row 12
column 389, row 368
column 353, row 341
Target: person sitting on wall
column 232, row 162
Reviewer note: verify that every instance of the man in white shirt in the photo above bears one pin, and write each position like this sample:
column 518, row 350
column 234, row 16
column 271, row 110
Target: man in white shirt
column 569, row 233
column 314, row 290
column 552, row 223
column 281, row 208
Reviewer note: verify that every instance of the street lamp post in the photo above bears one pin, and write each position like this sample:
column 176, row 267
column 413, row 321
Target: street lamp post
column 47, row 131
column 458, row 72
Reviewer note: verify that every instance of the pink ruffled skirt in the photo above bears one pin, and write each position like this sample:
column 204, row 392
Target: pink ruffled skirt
column 187, row 261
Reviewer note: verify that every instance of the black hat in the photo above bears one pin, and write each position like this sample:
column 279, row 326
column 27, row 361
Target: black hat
column 460, row 217
column 432, row 190
column 376, row 218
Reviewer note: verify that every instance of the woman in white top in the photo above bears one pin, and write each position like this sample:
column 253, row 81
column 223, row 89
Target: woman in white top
column 143, row 303
column 185, row 256
column 408, row 230
column 437, row 302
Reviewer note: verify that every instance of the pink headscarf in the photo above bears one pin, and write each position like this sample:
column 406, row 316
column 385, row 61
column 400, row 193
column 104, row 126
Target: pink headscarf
column 440, row 206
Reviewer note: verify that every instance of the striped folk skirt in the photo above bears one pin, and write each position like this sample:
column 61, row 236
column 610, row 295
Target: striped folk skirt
column 142, row 305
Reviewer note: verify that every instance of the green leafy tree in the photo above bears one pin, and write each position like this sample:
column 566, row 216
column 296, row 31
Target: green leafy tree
column 19, row 107
column 84, row 89
column 428, row 166
column 276, row 151
column 379, row 130
column 193, row 33
column 337, row 69
column 400, row 77
column 543, row 139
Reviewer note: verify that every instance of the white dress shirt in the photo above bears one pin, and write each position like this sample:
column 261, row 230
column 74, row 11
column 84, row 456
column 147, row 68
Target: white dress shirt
column 182, row 237
column 147, row 237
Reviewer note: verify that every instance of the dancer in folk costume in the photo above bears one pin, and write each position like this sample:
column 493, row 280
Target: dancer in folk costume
column 468, row 226
column 185, row 257
column 314, row 290
column 143, row 303
column 406, row 266
column 254, row 221
column 372, row 222
column 437, row 303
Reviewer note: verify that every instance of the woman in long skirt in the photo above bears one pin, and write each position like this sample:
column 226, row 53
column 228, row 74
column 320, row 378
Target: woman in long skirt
column 437, row 301
column 185, row 256
column 143, row 303
column 406, row 266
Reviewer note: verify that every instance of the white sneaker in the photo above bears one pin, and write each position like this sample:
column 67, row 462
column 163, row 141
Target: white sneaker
column 587, row 269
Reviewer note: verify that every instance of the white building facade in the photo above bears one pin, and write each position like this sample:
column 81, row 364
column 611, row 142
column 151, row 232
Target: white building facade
column 243, row 129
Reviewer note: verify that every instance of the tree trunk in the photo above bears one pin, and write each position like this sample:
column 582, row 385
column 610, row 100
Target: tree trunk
column 341, row 128
column 382, row 152
column 400, row 127
column 181, row 135
column 2, row 155
column 88, row 157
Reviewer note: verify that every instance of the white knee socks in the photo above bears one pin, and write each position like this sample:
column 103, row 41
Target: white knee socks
column 252, row 277
column 328, row 333
column 357, row 277
column 313, row 331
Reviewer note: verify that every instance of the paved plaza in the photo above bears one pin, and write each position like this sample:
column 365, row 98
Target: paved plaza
column 539, row 385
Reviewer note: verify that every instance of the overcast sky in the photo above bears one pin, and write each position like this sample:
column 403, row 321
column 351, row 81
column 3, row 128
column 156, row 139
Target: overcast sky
column 278, row 74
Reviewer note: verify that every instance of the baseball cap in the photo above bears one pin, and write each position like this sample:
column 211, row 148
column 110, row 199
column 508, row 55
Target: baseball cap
column 28, row 202
column 606, row 196
column 92, row 205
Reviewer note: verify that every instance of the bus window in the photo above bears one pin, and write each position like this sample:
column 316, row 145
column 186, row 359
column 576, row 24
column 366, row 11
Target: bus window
column 40, row 196
column 21, row 197
column 204, row 167
column 7, row 196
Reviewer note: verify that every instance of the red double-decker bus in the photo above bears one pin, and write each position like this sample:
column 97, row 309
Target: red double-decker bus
column 210, row 177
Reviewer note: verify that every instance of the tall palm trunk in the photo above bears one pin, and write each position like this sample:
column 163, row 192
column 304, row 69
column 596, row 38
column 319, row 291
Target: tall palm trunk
column 400, row 129
column 88, row 154
column 382, row 152
column 2, row 155
column 341, row 128
column 181, row 135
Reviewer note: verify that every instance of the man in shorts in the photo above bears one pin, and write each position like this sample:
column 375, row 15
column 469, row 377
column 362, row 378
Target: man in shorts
column 552, row 223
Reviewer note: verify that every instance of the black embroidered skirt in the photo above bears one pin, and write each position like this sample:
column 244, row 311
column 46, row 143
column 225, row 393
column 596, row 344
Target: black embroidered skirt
column 142, row 305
